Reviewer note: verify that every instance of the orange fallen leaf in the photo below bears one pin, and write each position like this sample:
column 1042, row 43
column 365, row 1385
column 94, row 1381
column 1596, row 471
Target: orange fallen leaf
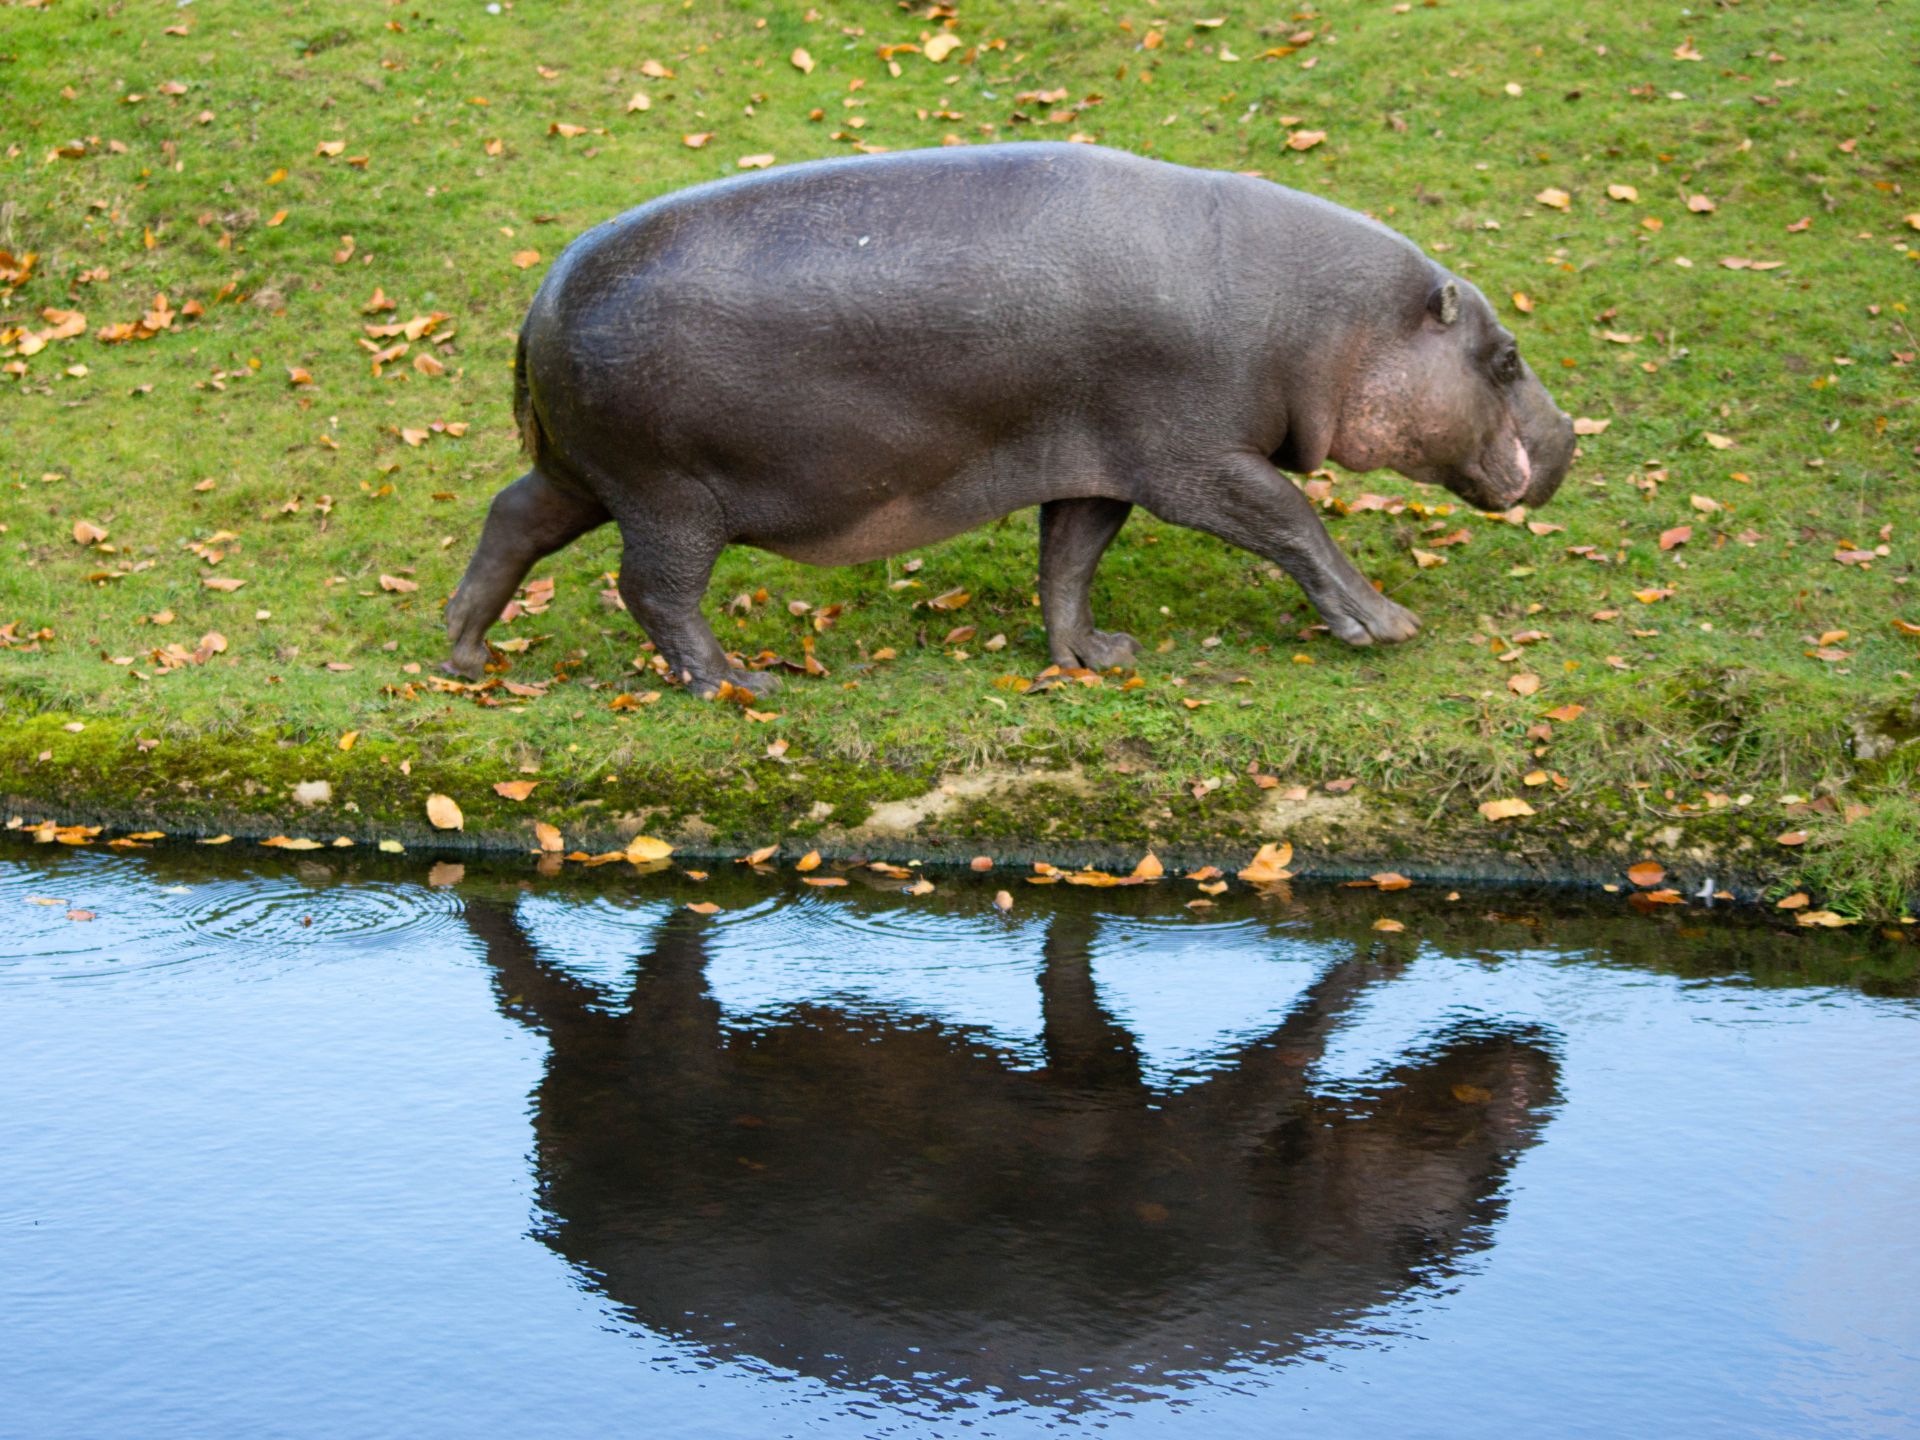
column 1523, row 684
column 1554, row 198
column 1567, row 714
column 515, row 789
column 1646, row 874
column 1149, row 867
column 823, row 881
column 1002, row 901
column 1390, row 926
column 1505, row 809
column 1269, row 864
column 760, row 856
column 642, row 848
column 1791, row 837
column 703, row 907
column 1796, row 901
column 444, row 814
column 696, row 140
column 801, row 61
column 549, row 837
column 1391, row 880
column 525, row 259
column 808, row 861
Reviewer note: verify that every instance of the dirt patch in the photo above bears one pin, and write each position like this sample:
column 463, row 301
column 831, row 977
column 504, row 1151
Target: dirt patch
column 917, row 818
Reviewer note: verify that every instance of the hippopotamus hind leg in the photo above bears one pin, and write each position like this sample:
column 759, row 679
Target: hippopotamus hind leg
column 1073, row 536
column 665, row 565
column 529, row 520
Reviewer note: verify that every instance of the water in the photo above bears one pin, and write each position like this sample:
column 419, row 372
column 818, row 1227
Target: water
column 323, row 1150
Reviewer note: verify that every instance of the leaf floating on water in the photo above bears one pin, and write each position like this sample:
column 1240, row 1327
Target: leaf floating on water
column 922, row 886
column 981, row 863
column 1646, row 874
column 1391, row 880
column 824, row 881
column 1269, row 864
column 1002, row 901
column 281, row 842
column 1392, row 927
column 1825, row 919
column 760, row 856
column 808, row 861
column 643, row 848
column 703, row 907
column 549, row 837
column 80, row 915
column 1149, row 868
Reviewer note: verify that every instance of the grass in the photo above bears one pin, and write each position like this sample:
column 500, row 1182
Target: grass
column 1711, row 718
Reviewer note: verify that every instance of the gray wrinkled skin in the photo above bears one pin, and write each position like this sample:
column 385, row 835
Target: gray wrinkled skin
column 842, row 360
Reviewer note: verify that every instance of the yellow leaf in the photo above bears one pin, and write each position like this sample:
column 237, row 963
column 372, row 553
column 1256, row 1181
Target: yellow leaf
column 526, row 259
column 1623, row 192
column 1002, row 901
column 443, row 814
column 1504, row 809
column 1428, row 559
column 514, row 789
column 941, row 46
column 703, row 907
column 754, row 162
column 645, row 847
column 1390, row 926
column 1554, row 199
column 1149, row 867
column 549, row 836
column 808, row 861
column 802, row 61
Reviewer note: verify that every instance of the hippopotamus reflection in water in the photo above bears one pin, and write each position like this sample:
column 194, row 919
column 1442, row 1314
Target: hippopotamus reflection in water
column 891, row 1205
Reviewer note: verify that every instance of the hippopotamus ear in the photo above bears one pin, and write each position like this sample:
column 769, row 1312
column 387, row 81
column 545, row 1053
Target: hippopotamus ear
column 1444, row 303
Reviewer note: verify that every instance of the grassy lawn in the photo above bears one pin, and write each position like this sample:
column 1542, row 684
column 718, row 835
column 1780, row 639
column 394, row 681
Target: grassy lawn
column 1716, row 587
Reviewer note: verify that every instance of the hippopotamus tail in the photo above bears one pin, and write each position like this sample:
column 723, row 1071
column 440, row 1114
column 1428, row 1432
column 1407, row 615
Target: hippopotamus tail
column 531, row 435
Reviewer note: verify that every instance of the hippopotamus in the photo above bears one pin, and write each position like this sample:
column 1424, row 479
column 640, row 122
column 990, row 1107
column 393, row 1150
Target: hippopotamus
column 840, row 360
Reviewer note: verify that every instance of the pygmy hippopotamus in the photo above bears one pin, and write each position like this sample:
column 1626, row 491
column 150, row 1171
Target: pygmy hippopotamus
column 841, row 360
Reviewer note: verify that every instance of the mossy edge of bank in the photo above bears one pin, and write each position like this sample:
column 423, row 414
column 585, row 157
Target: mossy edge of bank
column 1082, row 814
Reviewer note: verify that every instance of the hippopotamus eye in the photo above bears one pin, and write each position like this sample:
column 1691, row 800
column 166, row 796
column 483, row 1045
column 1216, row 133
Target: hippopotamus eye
column 1506, row 365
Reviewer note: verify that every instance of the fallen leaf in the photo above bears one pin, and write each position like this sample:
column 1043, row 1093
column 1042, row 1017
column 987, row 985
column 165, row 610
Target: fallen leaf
column 1269, row 864
column 1824, row 918
column 941, row 46
column 754, row 162
column 85, row 532
column 515, row 789
column 1718, row 442
column 1646, row 874
column 801, row 61
column 1523, row 302
column 1678, row 535
column 549, row 837
column 1554, row 199
column 525, row 259
column 1002, row 901
column 1583, row 426
column 1796, row 901
column 1791, row 837
column 1428, row 559
column 1505, row 809
column 697, row 139
column 1701, row 205
column 808, row 861
column 398, row 584
column 760, row 856
column 443, row 814
column 1523, row 683
column 703, row 907
column 1390, row 926
column 1623, row 192
column 1391, row 880
column 644, row 847
column 1149, row 867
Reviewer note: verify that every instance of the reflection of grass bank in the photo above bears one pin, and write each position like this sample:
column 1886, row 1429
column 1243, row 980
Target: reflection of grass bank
column 1692, row 700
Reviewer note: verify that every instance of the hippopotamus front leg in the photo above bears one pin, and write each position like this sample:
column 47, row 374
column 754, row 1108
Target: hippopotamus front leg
column 1073, row 536
column 1246, row 502
column 529, row 520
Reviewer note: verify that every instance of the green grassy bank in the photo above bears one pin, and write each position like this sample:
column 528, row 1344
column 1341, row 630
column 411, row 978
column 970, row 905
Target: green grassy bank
column 231, row 519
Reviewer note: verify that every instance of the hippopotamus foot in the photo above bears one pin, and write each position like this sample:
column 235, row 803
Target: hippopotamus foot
column 1366, row 617
column 529, row 520
column 759, row 683
column 1073, row 536
column 1095, row 650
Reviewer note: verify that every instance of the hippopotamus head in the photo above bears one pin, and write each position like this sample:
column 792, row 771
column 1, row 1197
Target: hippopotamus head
column 1445, row 398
